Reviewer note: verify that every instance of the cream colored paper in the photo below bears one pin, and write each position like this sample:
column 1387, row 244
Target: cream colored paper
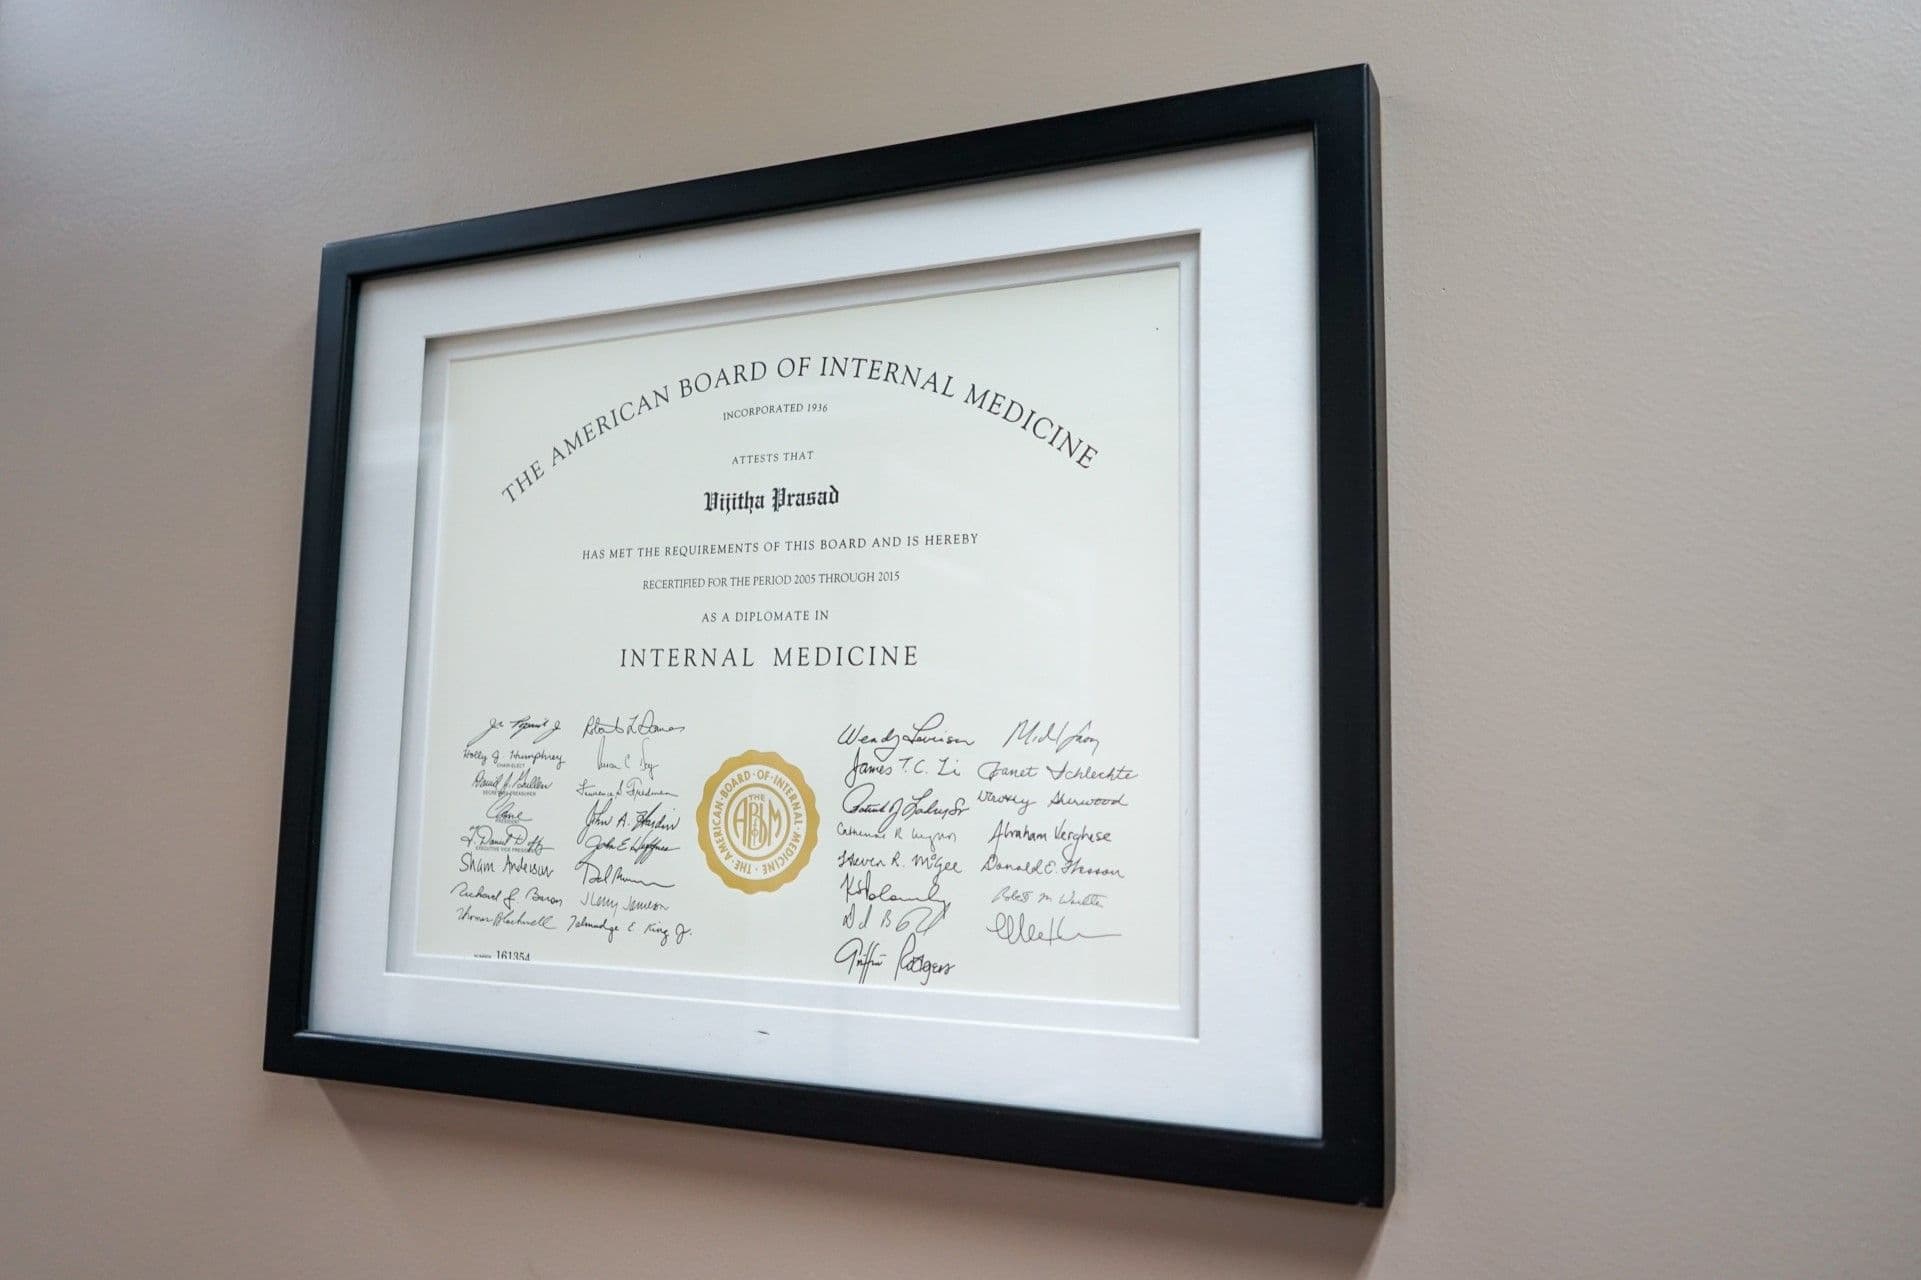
column 953, row 654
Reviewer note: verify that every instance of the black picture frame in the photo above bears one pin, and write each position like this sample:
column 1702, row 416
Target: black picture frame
column 1351, row 1162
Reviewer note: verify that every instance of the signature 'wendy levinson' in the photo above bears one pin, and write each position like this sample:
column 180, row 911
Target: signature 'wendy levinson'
column 792, row 655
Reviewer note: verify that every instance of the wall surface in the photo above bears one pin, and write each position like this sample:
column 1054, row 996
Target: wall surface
column 1653, row 292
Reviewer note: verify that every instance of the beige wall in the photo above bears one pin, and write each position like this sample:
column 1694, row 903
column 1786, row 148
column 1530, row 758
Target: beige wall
column 1652, row 311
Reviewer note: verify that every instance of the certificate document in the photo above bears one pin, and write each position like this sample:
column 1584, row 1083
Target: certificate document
column 844, row 647
column 882, row 648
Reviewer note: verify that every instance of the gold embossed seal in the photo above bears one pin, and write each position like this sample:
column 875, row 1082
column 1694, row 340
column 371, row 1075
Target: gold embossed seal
column 758, row 823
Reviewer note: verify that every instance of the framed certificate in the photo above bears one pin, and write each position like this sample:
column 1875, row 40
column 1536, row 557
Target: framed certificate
column 885, row 648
